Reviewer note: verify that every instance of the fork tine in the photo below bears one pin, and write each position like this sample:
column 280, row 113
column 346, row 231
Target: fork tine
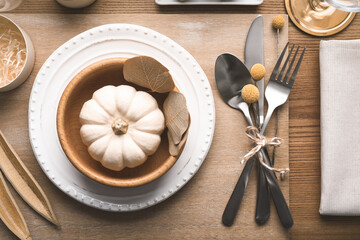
column 286, row 78
column 292, row 79
column 285, row 63
column 276, row 68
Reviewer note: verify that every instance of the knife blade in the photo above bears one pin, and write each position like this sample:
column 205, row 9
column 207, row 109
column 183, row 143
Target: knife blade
column 254, row 53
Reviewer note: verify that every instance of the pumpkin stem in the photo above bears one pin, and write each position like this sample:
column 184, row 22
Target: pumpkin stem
column 119, row 126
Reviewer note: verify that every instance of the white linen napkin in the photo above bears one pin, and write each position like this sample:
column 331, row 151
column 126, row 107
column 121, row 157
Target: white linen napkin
column 340, row 127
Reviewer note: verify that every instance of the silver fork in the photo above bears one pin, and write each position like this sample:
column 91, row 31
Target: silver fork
column 276, row 94
column 279, row 87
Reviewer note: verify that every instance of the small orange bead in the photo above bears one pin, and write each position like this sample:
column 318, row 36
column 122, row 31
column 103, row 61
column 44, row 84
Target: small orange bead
column 257, row 71
column 250, row 93
column 278, row 22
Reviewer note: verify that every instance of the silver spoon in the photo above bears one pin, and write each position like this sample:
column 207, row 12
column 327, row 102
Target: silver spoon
column 231, row 75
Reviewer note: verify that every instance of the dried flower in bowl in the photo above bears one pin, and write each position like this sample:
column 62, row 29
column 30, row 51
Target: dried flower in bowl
column 12, row 54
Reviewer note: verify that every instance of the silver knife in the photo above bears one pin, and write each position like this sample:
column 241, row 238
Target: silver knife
column 254, row 53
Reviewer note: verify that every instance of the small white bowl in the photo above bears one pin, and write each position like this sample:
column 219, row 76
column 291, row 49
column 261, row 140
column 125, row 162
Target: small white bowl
column 29, row 61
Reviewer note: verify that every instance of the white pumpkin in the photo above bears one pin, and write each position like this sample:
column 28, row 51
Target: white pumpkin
column 121, row 126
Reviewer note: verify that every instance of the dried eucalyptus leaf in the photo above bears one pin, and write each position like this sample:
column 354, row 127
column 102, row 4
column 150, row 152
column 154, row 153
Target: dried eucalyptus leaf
column 177, row 117
column 147, row 72
column 176, row 149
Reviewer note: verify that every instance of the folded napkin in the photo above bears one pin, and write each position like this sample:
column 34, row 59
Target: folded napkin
column 340, row 127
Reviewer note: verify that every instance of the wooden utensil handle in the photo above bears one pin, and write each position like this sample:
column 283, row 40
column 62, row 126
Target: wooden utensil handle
column 233, row 204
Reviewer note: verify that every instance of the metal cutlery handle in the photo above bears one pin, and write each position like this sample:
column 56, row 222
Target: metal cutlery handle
column 277, row 196
column 244, row 107
column 267, row 118
column 233, row 204
column 262, row 213
column 279, row 200
column 262, row 198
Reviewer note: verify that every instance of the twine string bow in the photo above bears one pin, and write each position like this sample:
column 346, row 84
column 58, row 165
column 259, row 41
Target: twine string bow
column 261, row 141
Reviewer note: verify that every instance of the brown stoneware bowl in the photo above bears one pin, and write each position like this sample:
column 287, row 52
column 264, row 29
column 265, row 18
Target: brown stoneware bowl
column 80, row 90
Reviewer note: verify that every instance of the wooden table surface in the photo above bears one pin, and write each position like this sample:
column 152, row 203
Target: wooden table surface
column 304, row 110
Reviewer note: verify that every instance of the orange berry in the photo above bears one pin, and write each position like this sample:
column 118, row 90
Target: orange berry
column 250, row 93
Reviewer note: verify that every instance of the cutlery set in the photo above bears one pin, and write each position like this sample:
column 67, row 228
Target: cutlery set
column 231, row 76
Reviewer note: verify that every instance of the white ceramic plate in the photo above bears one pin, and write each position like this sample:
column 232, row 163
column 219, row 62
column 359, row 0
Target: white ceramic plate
column 209, row 2
column 107, row 41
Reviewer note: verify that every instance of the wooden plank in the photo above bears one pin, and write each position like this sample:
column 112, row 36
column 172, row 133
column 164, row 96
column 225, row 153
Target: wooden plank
column 194, row 212
column 305, row 146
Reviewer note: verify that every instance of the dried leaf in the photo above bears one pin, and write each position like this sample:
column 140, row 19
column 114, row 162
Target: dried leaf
column 23, row 182
column 176, row 149
column 10, row 213
column 176, row 116
column 147, row 72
